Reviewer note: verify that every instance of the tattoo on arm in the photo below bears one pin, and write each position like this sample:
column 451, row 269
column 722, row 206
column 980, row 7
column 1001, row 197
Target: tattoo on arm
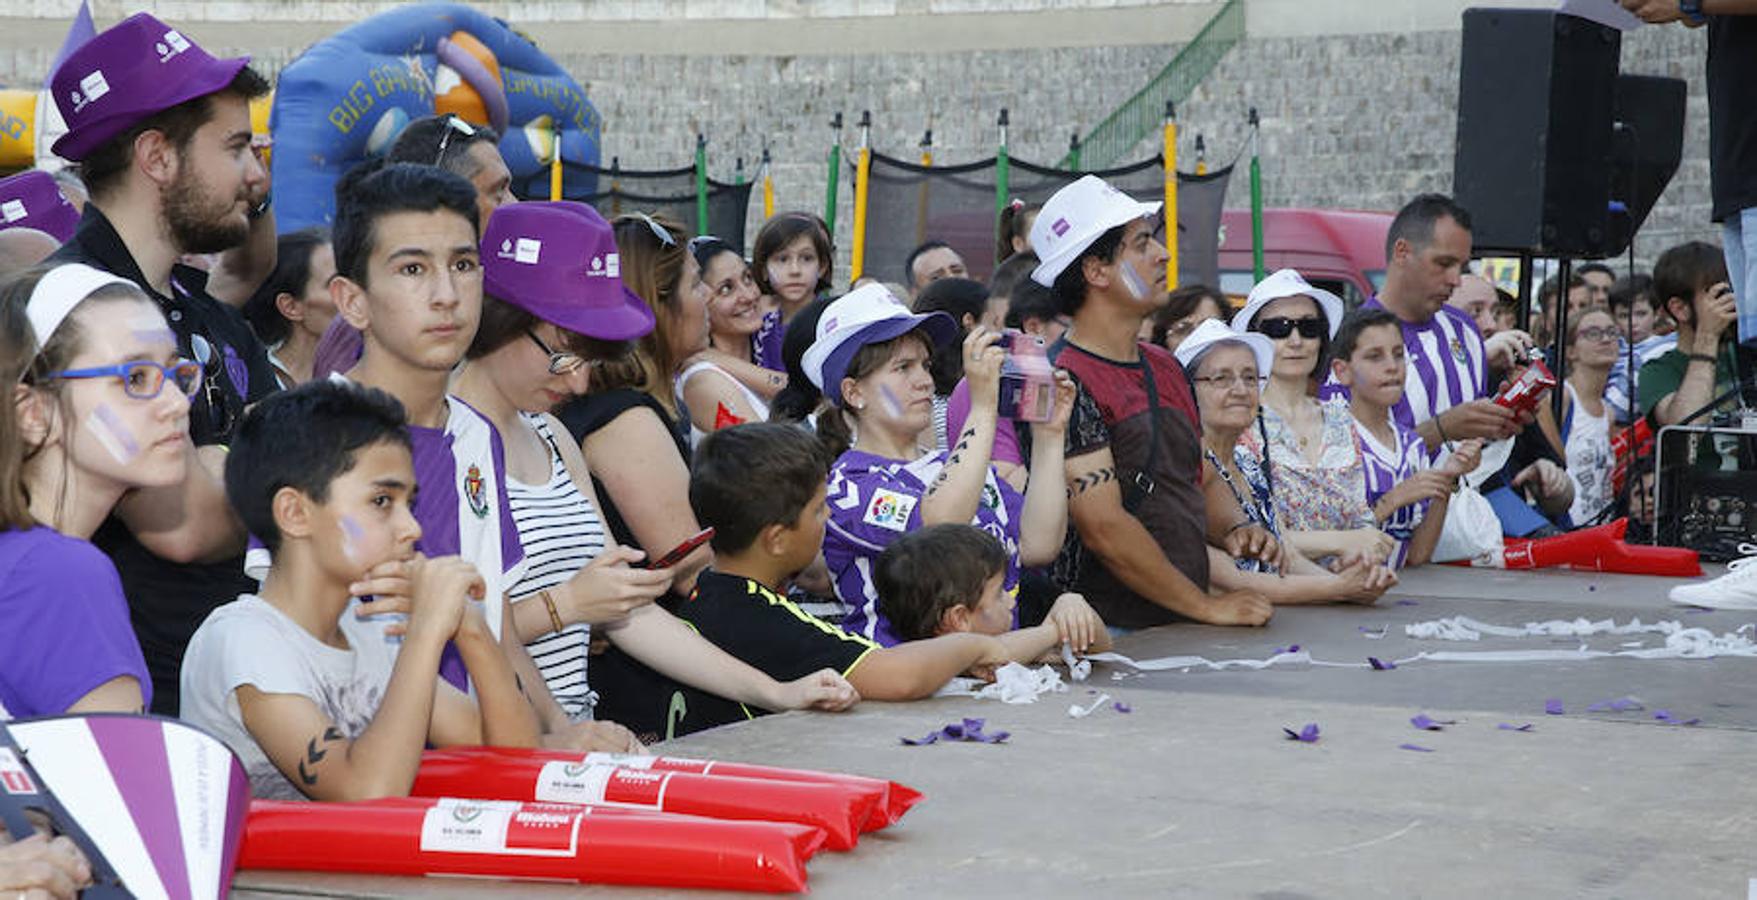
column 957, row 454
column 315, row 756
column 1089, row 481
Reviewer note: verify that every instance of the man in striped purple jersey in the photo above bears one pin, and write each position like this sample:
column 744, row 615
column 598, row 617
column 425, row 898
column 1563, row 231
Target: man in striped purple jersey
column 1447, row 396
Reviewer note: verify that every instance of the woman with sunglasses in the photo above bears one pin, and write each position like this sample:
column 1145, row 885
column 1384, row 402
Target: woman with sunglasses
column 712, row 385
column 1586, row 422
column 100, row 406
column 1320, row 496
column 551, row 304
column 1225, row 370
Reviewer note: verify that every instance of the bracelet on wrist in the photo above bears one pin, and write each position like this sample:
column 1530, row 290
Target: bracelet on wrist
column 1241, row 524
column 1441, row 429
column 1702, row 357
column 549, row 604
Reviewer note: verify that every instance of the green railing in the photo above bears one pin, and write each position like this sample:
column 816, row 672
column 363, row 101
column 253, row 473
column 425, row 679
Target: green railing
column 1144, row 113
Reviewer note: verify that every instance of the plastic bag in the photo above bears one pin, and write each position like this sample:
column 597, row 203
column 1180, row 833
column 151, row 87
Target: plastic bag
column 1471, row 528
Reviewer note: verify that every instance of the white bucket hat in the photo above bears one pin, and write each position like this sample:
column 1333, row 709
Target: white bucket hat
column 1076, row 216
column 1213, row 332
column 1288, row 283
column 866, row 315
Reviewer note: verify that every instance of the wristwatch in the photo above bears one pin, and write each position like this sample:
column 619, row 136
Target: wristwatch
column 1692, row 10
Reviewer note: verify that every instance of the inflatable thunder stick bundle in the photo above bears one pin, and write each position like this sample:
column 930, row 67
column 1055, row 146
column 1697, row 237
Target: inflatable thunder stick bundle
column 489, row 839
column 840, row 810
column 524, row 769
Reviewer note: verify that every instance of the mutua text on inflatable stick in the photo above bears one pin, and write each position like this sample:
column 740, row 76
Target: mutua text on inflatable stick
column 897, row 798
column 840, row 810
column 558, row 842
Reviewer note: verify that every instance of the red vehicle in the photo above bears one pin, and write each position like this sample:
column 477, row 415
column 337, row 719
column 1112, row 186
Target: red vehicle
column 1342, row 251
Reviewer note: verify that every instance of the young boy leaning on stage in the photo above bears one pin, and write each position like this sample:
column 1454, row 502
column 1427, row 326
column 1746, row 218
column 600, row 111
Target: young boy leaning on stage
column 761, row 488
column 317, row 702
column 945, row 579
column 1408, row 496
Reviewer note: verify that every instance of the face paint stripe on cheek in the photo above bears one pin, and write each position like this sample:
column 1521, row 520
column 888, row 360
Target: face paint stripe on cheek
column 113, row 433
column 1132, row 281
column 352, row 538
column 888, row 397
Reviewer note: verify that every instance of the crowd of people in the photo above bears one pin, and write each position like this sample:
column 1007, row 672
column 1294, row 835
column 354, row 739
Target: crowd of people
column 463, row 470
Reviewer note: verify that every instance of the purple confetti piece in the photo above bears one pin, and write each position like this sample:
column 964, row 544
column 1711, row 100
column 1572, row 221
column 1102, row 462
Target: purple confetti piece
column 1553, row 707
column 1416, row 747
column 1665, row 715
column 1625, row 704
column 1308, row 734
column 1290, row 648
column 1600, row 706
column 1371, row 632
column 1122, row 707
column 1525, row 727
column 970, row 730
column 1422, row 721
column 1406, row 603
column 1380, row 665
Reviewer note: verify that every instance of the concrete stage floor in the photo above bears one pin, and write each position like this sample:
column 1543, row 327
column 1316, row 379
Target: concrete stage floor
column 1197, row 793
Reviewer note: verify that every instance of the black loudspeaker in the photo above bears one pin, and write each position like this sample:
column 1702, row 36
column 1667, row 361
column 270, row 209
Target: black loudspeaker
column 1648, row 142
column 1535, row 96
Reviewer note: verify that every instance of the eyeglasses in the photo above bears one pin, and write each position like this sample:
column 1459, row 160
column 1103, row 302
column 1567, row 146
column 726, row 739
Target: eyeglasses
column 453, row 125
column 560, row 363
column 1226, row 381
column 1597, row 333
column 144, row 380
column 1282, row 326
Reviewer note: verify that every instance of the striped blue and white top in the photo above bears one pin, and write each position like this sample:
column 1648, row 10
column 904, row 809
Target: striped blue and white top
column 562, row 532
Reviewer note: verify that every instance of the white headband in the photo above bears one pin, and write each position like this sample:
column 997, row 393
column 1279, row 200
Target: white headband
column 56, row 295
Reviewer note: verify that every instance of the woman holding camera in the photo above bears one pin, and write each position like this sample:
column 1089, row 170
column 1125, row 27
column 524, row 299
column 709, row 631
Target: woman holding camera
column 871, row 361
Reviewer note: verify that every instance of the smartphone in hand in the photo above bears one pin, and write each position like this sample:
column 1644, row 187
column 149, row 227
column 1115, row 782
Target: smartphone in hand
column 677, row 553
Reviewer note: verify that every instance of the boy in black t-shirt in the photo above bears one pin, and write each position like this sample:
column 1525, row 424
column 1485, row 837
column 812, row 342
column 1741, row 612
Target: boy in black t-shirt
column 761, row 488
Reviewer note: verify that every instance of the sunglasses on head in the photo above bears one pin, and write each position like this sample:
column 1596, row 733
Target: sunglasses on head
column 1282, row 326
column 660, row 232
column 453, row 125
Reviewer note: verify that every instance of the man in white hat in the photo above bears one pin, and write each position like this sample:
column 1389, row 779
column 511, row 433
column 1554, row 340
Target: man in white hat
column 1134, row 443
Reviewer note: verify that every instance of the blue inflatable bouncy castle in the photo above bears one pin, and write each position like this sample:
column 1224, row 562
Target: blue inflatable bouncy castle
column 348, row 97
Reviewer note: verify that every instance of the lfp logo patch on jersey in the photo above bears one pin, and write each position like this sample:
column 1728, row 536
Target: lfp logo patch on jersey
column 890, row 509
column 476, row 491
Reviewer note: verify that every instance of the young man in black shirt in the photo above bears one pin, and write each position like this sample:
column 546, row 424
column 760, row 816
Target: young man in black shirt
column 161, row 133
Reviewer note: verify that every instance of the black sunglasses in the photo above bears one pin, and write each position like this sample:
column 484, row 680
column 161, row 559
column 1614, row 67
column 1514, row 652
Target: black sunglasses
column 1282, row 326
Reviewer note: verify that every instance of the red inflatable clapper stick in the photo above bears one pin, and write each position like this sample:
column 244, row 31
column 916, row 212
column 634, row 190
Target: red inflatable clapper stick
column 895, row 799
column 557, row 842
column 838, row 810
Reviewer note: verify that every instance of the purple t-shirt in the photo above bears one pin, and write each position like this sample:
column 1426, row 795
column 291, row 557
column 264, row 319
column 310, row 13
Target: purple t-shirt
column 1006, row 438
column 338, row 350
column 873, row 500
column 765, row 345
column 64, row 626
column 1446, row 366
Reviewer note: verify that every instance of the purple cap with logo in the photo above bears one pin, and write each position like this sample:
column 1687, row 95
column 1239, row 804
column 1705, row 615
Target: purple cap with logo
column 558, row 261
column 125, row 74
column 32, row 199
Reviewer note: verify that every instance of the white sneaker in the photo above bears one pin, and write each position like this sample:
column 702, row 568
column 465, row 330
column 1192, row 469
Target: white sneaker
column 1737, row 589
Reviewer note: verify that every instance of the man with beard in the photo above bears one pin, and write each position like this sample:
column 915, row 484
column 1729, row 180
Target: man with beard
column 160, row 131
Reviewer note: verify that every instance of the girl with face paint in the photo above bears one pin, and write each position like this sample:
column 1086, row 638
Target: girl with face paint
column 99, row 407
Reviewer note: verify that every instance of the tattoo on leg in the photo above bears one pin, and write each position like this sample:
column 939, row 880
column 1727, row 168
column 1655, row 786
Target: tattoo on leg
column 1089, row 481
column 315, row 756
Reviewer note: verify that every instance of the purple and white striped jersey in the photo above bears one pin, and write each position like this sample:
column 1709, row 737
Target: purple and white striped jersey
column 1385, row 467
column 1446, row 366
column 873, row 500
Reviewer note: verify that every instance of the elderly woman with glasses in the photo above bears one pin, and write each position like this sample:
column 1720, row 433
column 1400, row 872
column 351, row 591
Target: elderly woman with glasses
column 1586, row 423
column 1321, row 491
column 1226, row 369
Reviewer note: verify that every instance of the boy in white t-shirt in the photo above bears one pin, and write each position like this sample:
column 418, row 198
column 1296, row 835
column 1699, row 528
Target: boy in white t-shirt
column 1408, row 496
column 316, row 701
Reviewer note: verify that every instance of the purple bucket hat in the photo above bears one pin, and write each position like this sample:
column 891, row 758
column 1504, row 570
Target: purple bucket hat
column 558, row 261
column 32, row 199
column 125, row 74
